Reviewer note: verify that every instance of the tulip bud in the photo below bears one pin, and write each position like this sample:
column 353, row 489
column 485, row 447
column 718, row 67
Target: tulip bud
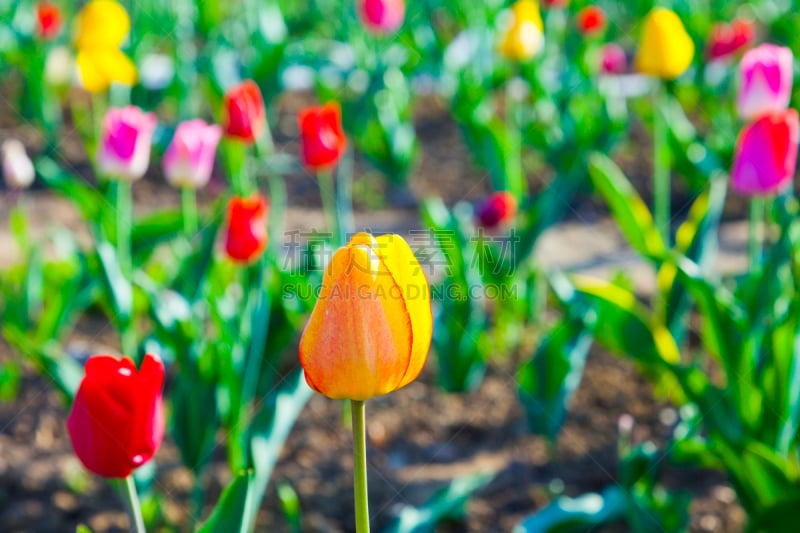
column 124, row 151
column 18, row 171
column 728, row 39
column 591, row 20
column 245, row 116
column 322, row 140
column 116, row 423
column 498, row 209
column 189, row 159
column 370, row 330
column 613, row 59
column 765, row 158
column 246, row 236
column 665, row 49
column 382, row 16
column 49, row 21
column 765, row 81
column 524, row 38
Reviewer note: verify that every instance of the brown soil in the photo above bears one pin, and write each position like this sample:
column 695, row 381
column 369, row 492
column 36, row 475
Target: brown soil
column 419, row 438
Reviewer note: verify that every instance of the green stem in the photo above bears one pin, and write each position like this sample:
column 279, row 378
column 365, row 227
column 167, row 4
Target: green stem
column 661, row 167
column 124, row 210
column 258, row 309
column 132, row 499
column 277, row 189
column 198, row 495
column 189, row 211
column 328, row 195
column 755, row 234
column 277, row 207
column 344, row 196
column 360, row 467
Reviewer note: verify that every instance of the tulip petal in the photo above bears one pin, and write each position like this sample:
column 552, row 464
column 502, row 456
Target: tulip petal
column 410, row 277
column 99, row 67
column 102, row 23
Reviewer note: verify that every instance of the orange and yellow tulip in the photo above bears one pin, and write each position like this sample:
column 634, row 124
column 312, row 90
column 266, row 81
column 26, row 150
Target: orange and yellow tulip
column 665, row 49
column 371, row 328
column 524, row 38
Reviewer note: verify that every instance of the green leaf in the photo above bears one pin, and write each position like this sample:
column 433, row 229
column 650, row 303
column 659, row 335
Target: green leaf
column 269, row 431
column 88, row 200
column 573, row 515
column 229, row 513
column 628, row 209
column 780, row 517
column 723, row 317
column 445, row 503
column 548, row 381
column 148, row 232
column 82, row 529
column 290, row 504
column 194, row 420
column 622, row 325
column 48, row 359
column 118, row 288
column 697, row 239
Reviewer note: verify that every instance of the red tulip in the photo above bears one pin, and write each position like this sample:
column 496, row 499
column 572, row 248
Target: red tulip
column 245, row 117
column 382, row 16
column 728, row 39
column 766, row 154
column 49, row 21
column 246, row 237
column 591, row 20
column 498, row 209
column 116, row 423
column 322, row 139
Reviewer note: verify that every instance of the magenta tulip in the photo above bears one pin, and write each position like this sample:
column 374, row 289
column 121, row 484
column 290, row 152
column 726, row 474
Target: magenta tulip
column 189, row 159
column 124, row 151
column 765, row 81
column 613, row 59
column 382, row 16
column 766, row 154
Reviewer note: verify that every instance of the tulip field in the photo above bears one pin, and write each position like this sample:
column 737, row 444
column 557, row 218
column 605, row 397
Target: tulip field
column 403, row 267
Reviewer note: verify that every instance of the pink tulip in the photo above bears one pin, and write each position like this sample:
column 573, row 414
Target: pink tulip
column 765, row 81
column 124, row 151
column 382, row 16
column 613, row 59
column 766, row 154
column 189, row 159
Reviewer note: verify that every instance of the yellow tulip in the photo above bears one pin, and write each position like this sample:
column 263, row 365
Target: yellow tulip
column 102, row 23
column 99, row 67
column 370, row 330
column 524, row 39
column 665, row 49
column 102, row 27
